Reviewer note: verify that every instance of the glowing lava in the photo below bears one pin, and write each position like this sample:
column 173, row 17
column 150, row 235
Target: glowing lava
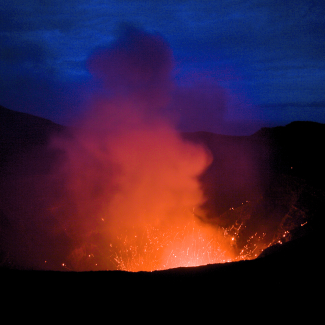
column 191, row 244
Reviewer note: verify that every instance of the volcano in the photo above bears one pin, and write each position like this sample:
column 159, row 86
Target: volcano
column 266, row 191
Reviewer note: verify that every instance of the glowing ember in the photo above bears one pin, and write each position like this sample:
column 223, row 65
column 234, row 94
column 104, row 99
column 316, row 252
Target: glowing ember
column 192, row 244
column 186, row 245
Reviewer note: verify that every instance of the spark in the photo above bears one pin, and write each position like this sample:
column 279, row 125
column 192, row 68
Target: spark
column 164, row 248
column 186, row 244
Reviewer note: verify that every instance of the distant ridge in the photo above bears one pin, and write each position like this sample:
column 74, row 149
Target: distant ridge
column 23, row 136
column 20, row 128
column 296, row 149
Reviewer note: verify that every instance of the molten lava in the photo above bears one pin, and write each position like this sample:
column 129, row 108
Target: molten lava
column 190, row 244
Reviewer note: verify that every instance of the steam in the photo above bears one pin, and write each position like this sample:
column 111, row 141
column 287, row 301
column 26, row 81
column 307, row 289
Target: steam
column 125, row 165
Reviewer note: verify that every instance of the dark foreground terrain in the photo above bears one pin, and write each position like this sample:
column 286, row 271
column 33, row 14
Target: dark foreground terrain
column 272, row 182
column 295, row 265
column 285, row 285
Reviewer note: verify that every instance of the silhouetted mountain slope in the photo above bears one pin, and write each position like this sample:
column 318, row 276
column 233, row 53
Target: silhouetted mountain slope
column 20, row 130
column 293, row 150
column 296, row 149
column 23, row 142
column 273, row 181
column 238, row 171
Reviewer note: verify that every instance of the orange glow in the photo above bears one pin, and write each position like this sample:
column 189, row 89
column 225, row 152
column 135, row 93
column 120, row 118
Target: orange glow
column 190, row 244
column 131, row 181
column 137, row 190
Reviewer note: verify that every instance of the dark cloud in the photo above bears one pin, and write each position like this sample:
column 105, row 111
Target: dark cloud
column 248, row 37
column 17, row 20
column 135, row 64
column 22, row 52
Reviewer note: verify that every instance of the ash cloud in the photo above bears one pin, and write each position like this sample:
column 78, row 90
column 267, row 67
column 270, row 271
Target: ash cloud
column 125, row 165
column 138, row 65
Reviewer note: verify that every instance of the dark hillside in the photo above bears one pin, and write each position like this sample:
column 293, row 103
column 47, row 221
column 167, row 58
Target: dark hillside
column 296, row 150
column 23, row 141
column 272, row 182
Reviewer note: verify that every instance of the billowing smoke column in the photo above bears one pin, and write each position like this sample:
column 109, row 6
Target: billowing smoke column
column 127, row 172
column 138, row 66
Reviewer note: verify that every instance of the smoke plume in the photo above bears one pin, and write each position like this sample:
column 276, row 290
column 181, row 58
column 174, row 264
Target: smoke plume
column 126, row 169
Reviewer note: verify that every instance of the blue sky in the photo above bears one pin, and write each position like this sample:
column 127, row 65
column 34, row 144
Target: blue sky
column 266, row 55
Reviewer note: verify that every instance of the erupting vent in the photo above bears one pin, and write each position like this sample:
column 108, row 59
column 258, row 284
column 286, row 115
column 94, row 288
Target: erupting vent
column 191, row 244
column 131, row 180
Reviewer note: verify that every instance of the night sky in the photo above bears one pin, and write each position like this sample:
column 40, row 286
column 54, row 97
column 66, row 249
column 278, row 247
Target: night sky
column 238, row 65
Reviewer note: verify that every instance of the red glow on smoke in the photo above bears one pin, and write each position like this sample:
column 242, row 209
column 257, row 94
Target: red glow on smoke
column 132, row 195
